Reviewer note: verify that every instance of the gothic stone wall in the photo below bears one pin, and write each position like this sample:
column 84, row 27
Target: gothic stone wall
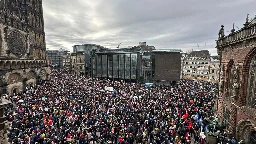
column 19, row 79
column 22, row 29
column 236, row 56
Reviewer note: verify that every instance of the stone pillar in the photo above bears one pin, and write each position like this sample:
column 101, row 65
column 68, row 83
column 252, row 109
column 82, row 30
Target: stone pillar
column 3, row 123
column 233, row 119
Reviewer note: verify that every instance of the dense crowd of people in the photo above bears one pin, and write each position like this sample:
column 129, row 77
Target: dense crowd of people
column 77, row 109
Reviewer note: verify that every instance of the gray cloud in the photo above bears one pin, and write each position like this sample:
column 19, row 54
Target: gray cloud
column 182, row 24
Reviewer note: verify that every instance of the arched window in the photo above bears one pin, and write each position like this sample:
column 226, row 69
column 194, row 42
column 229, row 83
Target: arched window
column 230, row 82
column 229, row 78
column 251, row 91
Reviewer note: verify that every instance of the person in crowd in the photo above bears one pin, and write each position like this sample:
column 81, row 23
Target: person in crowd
column 77, row 109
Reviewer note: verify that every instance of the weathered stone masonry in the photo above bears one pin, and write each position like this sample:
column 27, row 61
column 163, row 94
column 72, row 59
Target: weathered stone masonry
column 237, row 51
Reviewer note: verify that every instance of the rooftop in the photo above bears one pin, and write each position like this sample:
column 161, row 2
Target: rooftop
column 201, row 53
column 167, row 50
column 197, row 58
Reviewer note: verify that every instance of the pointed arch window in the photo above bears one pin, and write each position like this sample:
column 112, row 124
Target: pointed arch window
column 251, row 91
column 231, row 79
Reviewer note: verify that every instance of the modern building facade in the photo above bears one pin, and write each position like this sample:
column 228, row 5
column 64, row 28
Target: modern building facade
column 138, row 64
column 22, row 49
column 116, row 65
column 87, row 50
column 56, row 57
column 237, row 86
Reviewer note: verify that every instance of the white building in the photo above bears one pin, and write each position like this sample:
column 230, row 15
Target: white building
column 202, row 68
column 214, row 69
column 196, row 67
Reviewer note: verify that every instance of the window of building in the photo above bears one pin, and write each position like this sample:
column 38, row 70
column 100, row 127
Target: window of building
column 202, row 62
column 110, row 58
column 186, row 62
column 190, row 66
column 206, row 63
column 188, row 70
column 212, row 71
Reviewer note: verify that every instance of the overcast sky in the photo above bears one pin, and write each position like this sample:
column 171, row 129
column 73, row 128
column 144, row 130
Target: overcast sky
column 181, row 24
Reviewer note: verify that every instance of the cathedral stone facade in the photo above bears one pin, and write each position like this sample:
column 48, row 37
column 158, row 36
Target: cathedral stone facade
column 22, row 45
column 22, row 50
column 237, row 84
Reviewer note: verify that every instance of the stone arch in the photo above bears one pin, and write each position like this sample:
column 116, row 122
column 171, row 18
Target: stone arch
column 244, row 130
column 37, row 64
column 14, row 90
column 26, row 64
column 22, row 65
column 1, row 64
column 30, row 64
column 18, row 65
column 228, row 76
column 8, row 65
column 245, row 75
column 13, row 65
column 33, row 64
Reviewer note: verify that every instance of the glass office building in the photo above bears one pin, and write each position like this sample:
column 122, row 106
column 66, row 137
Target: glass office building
column 115, row 65
column 144, row 67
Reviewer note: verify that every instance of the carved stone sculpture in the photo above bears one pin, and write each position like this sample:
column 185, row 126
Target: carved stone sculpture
column 221, row 85
column 235, row 84
column 43, row 75
column 221, row 32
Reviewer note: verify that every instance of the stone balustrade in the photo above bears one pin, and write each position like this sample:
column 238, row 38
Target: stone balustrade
column 12, row 64
column 244, row 33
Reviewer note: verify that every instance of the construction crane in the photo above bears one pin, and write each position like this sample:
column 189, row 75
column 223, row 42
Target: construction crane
column 118, row 45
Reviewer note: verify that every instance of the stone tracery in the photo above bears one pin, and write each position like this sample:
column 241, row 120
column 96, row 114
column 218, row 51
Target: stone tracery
column 16, row 44
column 251, row 97
column 235, row 84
